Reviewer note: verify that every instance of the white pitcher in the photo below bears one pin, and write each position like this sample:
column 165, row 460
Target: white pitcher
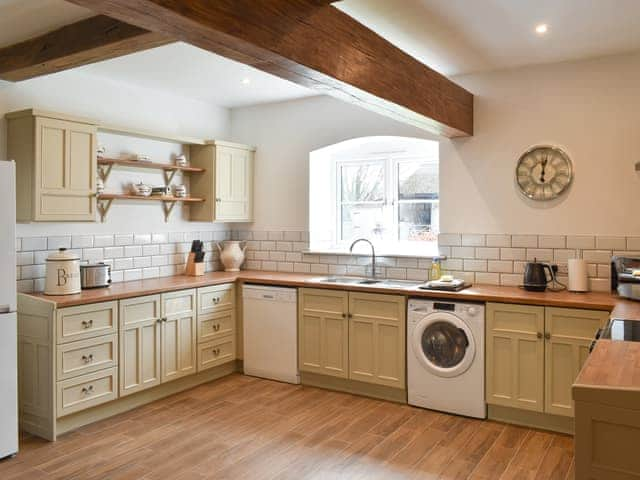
column 231, row 254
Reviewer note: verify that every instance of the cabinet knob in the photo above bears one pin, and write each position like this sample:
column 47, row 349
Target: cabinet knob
column 344, row 315
column 87, row 390
column 216, row 351
column 87, row 358
column 547, row 335
column 216, row 327
column 218, row 200
column 87, row 323
column 539, row 334
column 216, row 300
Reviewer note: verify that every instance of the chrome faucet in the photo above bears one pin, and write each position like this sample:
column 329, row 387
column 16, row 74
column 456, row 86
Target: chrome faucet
column 373, row 254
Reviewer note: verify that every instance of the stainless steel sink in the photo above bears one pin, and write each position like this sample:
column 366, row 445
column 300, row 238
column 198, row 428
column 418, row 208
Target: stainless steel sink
column 367, row 282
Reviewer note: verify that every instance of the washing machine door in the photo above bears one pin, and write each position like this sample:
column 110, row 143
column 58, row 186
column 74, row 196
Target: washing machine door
column 443, row 344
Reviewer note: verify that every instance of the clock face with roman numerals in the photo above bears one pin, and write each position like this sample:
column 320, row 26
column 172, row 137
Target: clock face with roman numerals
column 544, row 172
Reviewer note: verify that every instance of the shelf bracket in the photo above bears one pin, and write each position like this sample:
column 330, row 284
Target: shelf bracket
column 168, row 176
column 168, row 208
column 103, row 208
column 104, row 171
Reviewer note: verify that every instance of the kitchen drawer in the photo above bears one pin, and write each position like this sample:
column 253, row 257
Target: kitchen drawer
column 87, row 391
column 212, row 354
column 179, row 303
column 86, row 356
column 87, row 321
column 139, row 310
column 216, row 326
column 216, row 298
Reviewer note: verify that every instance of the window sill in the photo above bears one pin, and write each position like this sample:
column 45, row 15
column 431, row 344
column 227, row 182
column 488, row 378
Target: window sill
column 382, row 253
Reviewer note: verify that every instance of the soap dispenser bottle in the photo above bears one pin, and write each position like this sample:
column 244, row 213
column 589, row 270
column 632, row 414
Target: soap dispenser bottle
column 436, row 271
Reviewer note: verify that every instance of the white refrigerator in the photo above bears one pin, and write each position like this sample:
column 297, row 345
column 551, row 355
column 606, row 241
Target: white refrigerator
column 8, row 315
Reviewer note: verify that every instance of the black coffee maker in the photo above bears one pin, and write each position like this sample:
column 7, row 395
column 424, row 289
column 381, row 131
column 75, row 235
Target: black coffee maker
column 535, row 276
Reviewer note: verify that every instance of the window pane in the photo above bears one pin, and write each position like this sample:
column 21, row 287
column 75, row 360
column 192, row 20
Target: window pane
column 362, row 183
column 417, row 180
column 362, row 220
column 417, row 221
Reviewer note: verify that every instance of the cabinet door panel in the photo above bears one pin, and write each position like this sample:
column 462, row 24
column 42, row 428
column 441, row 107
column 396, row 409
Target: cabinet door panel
column 139, row 344
column 234, row 182
column 515, row 356
column 52, row 150
column 178, row 347
column 323, row 332
column 81, row 146
column 569, row 333
column 377, row 339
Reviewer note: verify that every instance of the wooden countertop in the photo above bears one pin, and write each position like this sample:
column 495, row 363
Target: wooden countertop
column 611, row 365
column 477, row 293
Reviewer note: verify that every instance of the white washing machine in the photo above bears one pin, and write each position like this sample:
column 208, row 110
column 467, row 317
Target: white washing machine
column 445, row 356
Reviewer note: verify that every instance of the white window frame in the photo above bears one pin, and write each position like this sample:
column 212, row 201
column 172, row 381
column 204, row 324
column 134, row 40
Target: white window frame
column 390, row 203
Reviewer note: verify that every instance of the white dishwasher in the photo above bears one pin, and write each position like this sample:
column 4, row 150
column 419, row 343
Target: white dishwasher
column 270, row 326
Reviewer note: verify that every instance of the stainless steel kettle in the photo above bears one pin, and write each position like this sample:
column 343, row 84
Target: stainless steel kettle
column 535, row 276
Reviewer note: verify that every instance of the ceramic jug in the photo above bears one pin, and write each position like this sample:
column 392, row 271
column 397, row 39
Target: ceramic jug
column 231, row 254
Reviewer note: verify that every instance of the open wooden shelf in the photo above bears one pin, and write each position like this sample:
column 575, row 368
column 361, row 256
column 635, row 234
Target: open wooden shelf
column 152, row 165
column 106, row 164
column 168, row 202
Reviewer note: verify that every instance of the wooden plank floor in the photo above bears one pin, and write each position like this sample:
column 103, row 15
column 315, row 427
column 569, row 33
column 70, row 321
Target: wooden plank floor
column 245, row 428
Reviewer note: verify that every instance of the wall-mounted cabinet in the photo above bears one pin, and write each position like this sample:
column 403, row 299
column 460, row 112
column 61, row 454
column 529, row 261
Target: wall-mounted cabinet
column 227, row 183
column 56, row 166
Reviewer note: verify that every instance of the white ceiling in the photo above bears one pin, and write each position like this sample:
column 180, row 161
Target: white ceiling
column 462, row 36
column 188, row 71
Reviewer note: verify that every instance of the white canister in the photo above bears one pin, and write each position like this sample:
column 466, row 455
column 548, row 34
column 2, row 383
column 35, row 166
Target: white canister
column 231, row 255
column 578, row 275
column 63, row 273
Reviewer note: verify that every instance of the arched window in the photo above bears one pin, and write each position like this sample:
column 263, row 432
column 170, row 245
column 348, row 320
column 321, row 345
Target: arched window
column 384, row 189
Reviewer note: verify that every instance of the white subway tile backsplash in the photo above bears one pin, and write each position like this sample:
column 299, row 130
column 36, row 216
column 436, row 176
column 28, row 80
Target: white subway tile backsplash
column 488, row 253
column 275, row 236
column 141, row 239
column 148, row 250
column 141, row 262
column 475, row 265
column 93, row 254
column 133, row 251
column 134, row 274
column 123, row 264
column 55, row 243
column 526, row 241
column 450, row 239
column 581, row 241
column 82, row 241
column 103, row 241
column 319, row 268
column 302, row 267
column 597, row 256
column 500, row 266
column 473, row 240
column 463, row 252
column 513, row 254
column 24, row 258
column 552, row 241
column 164, row 238
column 113, row 252
column 611, row 243
column 176, row 237
column 337, row 269
column 277, row 256
column 487, row 278
column 34, row 243
column 121, row 240
column 498, row 240
column 540, row 254
column 32, row 271
column 151, row 272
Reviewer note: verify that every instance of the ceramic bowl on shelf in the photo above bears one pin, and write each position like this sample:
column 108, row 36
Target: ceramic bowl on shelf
column 141, row 158
column 141, row 189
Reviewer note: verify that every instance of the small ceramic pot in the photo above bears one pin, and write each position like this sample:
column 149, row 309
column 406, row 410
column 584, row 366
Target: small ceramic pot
column 99, row 186
column 141, row 189
column 180, row 191
column 181, row 160
column 231, row 254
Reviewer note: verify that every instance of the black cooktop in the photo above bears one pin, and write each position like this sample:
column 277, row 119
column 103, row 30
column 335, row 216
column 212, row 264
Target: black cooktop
column 622, row 330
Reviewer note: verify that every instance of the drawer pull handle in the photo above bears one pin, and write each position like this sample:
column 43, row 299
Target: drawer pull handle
column 88, row 358
column 216, row 300
column 87, row 323
column 216, row 327
column 87, row 390
column 216, row 351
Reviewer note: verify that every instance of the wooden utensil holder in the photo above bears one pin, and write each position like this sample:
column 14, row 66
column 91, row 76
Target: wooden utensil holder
column 194, row 269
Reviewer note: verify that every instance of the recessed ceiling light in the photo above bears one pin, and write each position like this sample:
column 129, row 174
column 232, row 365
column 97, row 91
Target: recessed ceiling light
column 542, row 28
column 246, row 81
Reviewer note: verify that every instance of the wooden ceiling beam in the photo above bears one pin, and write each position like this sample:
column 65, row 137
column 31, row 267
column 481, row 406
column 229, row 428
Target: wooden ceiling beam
column 313, row 44
column 87, row 41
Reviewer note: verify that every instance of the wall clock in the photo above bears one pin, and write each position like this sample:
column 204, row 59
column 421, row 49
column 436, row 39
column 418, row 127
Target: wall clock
column 544, row 172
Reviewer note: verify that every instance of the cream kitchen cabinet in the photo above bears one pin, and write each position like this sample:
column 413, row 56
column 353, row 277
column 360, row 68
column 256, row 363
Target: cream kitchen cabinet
column 568, row 335
column 140, row 331
column 535, row 353
column 178, row 337
column 227, row 183
column 352, row 335
column 216, row 325
column 377, row 339
column 323, row 329
column 56, row 166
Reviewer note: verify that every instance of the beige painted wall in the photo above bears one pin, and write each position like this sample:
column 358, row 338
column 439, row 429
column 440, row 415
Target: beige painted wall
column 591, row 108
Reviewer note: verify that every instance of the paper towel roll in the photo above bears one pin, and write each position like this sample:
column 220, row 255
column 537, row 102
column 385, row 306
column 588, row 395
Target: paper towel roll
column 578, row 278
